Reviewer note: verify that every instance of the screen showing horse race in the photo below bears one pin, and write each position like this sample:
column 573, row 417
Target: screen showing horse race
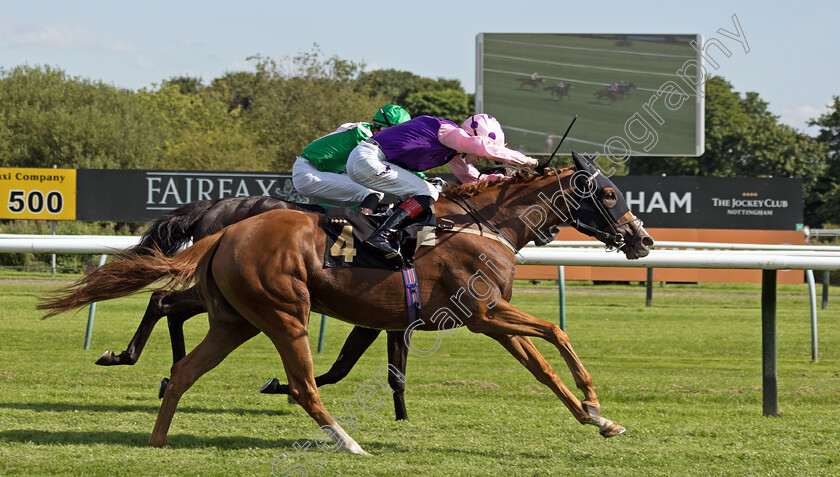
column 633, row 94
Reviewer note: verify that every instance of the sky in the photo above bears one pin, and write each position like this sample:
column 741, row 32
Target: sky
column 792, row 61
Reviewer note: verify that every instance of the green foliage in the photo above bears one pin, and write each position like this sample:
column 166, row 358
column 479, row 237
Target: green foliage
column 449, row 104
column 743, row 139
column 396, row 86
column 202, row 132
column 824, row 202
column 300, row 99
column 50, row 119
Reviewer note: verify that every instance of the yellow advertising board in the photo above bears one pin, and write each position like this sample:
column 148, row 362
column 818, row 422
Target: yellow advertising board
column 48, row 194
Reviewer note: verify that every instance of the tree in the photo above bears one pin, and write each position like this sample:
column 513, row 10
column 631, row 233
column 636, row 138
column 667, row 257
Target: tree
column 744, row 139
column 201, row 132
column 824, row 204
column 395, row 87
column 299, row 99
column 50, row 119
column 449, row 104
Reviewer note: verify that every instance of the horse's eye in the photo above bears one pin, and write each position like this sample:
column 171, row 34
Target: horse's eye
column 610, row 198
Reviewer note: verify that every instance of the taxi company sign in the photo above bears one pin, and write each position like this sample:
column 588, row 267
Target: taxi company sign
column 38, row 193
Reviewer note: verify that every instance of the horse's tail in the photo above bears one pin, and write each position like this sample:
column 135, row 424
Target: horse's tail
column 173, row 230
column 129, row 273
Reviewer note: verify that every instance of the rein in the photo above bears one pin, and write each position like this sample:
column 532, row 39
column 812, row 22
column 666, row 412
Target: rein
column 479, row 219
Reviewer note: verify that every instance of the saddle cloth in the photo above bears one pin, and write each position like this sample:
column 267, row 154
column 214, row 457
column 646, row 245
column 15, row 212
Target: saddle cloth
column 346, row 230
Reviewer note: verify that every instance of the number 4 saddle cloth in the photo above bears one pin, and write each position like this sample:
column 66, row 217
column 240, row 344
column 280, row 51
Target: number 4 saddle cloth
column 346, row 230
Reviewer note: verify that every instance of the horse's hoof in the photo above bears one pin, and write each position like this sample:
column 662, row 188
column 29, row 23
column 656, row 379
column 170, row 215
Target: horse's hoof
column 606, row 427
column 162, row 389
column 610, row 429
column 271, row 386
column 107, row 358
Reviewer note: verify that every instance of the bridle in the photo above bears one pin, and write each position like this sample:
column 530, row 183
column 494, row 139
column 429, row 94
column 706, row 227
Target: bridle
column 612, row 238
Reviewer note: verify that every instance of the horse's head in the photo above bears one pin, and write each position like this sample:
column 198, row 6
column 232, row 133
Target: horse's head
column 603, row 213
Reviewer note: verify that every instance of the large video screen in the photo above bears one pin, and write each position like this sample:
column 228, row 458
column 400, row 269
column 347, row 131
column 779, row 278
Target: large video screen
column 633, row 94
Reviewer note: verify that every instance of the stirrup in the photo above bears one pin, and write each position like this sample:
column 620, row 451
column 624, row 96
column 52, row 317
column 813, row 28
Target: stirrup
column 391, row 254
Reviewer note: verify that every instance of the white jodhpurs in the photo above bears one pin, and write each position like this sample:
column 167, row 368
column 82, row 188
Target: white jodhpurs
column 328, row 187
column 368, row 166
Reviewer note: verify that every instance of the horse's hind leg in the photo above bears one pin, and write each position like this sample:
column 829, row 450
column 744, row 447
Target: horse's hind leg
column 292, row 342
column 179, row 306
column 222, row 338
column 357, row 342
column 132, row 352
column 397, row 359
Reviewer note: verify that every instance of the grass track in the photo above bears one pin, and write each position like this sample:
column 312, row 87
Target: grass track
column 684, row 377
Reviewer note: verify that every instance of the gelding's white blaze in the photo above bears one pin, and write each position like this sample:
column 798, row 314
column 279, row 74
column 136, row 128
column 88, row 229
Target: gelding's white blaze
column 344, row 441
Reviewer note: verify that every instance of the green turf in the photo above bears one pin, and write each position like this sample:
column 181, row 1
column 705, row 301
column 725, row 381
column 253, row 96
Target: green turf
column 684, row 377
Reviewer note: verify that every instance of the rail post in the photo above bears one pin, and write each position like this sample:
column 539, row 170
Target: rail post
column 561, row 287
column 322, row 333
column 92, row 311
column 770, row 397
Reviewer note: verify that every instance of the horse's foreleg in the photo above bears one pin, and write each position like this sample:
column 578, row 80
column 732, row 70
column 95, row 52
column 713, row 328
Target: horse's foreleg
column 397, row 358
column 504, row 319
column 221, row 339
column 524, row 351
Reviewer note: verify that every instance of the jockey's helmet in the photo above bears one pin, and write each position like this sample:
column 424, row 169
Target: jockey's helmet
column 389, row 115
column 484, row 125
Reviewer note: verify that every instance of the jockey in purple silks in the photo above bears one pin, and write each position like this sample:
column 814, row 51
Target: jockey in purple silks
column 320, row 172
column 387, row 163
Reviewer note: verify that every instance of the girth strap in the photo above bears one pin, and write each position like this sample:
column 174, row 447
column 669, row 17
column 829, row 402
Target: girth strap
column 412, row 295
column 475, row 230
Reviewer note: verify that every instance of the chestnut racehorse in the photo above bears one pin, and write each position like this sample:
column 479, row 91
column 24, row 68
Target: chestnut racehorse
column 266, row 274
column 196, row 220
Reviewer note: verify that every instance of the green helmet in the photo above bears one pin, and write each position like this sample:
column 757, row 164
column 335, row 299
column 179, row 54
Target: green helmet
column 389, row 115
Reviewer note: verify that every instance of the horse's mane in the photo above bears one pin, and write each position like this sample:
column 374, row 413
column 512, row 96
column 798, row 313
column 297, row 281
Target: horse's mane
column 474, row 188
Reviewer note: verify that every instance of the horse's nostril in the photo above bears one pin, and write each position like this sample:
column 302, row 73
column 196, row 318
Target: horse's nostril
column 647, row 241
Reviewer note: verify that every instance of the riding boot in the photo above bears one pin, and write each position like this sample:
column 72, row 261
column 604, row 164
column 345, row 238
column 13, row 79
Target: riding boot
column 368, row 205
column 384, row 239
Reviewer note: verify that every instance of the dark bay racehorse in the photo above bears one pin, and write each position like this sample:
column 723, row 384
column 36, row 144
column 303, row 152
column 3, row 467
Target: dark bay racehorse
column 532, row 82
column 607, row 93
column 266, row 274
column 199, row 219
column 621, row 91
column 559, row 90
column 624, row 90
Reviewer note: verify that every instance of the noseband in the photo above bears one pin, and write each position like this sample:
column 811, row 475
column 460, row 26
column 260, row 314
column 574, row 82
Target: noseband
column 613, row 238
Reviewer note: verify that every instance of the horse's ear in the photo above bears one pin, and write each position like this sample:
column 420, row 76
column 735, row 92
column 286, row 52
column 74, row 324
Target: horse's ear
column 581, row 164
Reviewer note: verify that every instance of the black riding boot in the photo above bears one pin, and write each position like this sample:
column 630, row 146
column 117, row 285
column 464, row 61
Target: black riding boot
column 384, row 239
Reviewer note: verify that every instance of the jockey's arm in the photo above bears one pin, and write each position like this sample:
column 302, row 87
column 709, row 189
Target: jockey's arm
column 480, row 146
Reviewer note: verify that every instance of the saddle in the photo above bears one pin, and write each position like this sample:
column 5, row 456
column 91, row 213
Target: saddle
column 346, row 229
